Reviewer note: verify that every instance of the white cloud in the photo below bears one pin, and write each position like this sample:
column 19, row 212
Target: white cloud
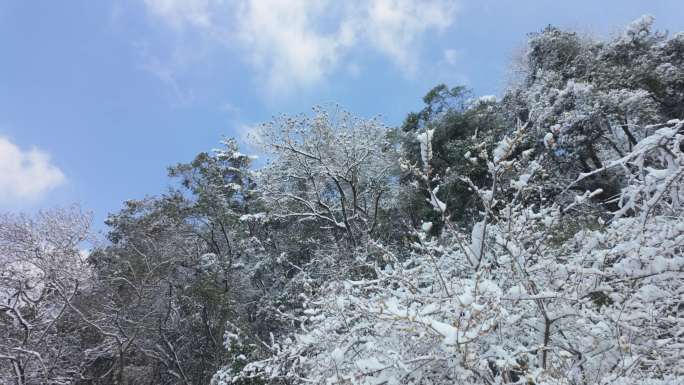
column 286, row 43
column 25, row 174
column 298, row 43
column 396, row 26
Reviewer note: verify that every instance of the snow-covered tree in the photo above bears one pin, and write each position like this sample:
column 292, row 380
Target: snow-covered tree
column 590, row 101
column 43, row 273
column 461, row 128
column 516, row 300
column 333, row 169
column 327, row 192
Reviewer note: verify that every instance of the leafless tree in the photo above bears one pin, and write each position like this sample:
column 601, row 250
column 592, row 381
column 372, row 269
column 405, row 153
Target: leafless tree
column 42, row 271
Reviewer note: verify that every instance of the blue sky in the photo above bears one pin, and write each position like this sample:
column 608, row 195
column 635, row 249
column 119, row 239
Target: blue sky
column 98, row 98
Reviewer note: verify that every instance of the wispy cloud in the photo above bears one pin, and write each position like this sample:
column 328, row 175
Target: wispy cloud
column 451, row 56
column 165, row 71
column 185, row 13
column 25, row 175
column 296, row 44
column 230, row 109
column 286, row 44
column 396, row 27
